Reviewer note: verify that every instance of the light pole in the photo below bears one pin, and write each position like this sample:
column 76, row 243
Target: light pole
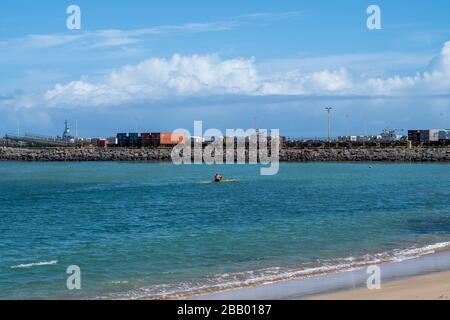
column 329, row 123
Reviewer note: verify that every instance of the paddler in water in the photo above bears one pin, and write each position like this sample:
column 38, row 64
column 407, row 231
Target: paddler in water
column 218, row 177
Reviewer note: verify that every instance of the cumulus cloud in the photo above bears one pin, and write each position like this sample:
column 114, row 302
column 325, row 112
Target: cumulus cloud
column 208, row 75
column 156, row 79
column 434, row 81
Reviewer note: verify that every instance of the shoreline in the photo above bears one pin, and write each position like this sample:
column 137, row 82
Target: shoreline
column 346, row 284
column 307, row 281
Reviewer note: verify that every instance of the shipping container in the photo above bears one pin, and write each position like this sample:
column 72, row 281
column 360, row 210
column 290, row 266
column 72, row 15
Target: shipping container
column 112, row 141
column 102, row 143
column 155, row 139
column 146, row 139
column 433, row 135
column 424, row 136
column 122, row 135
column 444, row 135
column 94, row 141
column 133, row 139
column 414, row 136
column 122, row 139
column 171, row 138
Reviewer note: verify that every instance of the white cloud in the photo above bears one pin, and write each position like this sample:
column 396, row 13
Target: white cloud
column 46, row 41
column 184, row 76
column 434, row 81
column 367, row 64
column 109, row 37
column 315, row 83
column 156, row 79
column 115, row 38
column 180, row 76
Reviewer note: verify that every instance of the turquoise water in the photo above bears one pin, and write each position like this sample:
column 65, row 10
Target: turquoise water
column 145, row 229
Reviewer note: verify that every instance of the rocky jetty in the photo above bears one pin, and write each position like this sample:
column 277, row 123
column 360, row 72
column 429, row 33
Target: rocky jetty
column 391, row 154
column 84, row 154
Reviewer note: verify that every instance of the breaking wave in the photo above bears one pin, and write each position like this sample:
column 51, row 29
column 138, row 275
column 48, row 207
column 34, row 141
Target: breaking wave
column 222, row 282
column 34, row 264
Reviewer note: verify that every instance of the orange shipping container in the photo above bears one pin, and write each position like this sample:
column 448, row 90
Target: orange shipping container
column 170, row 138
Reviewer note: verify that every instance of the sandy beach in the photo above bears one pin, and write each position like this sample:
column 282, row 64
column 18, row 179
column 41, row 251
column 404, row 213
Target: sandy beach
column 434, row 286
column 423, row 278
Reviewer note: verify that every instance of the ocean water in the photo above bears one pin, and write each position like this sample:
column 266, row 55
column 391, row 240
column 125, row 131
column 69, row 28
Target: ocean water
column 157, row 230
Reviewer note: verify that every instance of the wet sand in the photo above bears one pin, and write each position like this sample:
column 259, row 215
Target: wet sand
column 434, row 286
column 426, row 277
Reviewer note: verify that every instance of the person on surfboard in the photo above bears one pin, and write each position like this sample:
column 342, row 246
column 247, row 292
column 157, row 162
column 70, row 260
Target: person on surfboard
column 218, row 177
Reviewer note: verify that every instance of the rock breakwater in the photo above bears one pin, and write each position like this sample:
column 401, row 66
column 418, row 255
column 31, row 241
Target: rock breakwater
column 286, row 155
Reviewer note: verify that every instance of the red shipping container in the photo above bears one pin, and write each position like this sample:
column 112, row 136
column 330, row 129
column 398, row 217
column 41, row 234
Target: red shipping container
column 102, row 143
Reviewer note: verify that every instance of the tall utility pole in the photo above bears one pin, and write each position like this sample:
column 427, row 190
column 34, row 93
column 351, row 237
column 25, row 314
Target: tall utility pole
column 329, row 123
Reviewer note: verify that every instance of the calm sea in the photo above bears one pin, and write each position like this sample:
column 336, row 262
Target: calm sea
column 145, row 229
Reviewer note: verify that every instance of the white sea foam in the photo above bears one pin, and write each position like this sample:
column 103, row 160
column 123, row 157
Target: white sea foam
column 35, row 264
column 412, row 253
column 228, row 281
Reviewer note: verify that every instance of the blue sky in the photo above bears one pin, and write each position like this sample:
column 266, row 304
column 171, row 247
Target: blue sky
column 160, row 65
